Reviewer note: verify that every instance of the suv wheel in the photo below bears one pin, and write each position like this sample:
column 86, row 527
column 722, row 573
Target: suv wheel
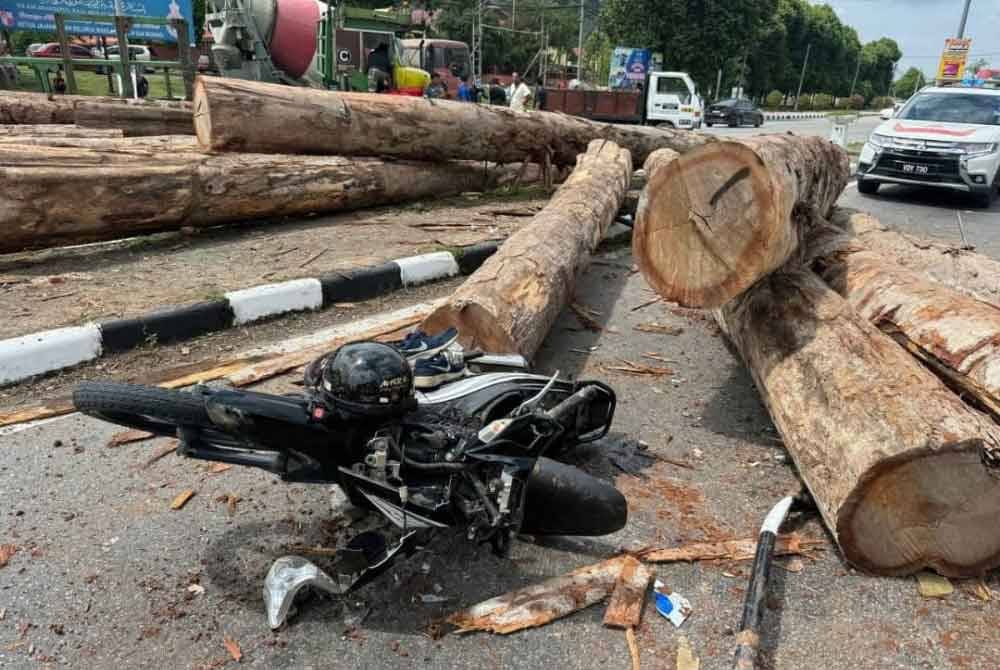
column 868, row 186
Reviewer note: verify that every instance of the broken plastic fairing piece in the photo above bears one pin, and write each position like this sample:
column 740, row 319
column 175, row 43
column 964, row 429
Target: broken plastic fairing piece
column 289, row 575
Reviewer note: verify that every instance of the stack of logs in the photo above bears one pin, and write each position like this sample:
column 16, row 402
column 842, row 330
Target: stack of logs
column 878, row 358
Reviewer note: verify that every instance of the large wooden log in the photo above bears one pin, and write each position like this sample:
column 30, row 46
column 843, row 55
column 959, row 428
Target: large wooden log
column 904, row 473
column 971, row 273
column 724, row 215
column 184, row 143
column 511, row 301
column 57, row 130
column 238, row 115
column 39, row 108
column 135, row 120
column 133, row 191
column 954, row 334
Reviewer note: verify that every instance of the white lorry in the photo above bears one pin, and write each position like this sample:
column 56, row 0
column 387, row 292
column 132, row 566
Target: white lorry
column 671, row 99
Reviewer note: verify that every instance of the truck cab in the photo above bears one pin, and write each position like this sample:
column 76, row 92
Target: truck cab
column 671, row 99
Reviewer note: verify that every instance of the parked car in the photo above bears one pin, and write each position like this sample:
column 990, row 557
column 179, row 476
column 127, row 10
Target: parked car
column 734, row 112
column 944, row 137
column 34, row 48
column 136, row 53
column 52, row 50
column 890, row 112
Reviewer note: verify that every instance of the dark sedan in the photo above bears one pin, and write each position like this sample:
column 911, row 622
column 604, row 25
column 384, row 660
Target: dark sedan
column 734, row 113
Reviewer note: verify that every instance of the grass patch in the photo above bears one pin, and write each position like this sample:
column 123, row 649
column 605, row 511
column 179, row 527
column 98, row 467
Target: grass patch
column 91, row 83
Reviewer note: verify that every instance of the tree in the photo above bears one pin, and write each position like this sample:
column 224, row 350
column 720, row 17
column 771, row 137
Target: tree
column 911, row 81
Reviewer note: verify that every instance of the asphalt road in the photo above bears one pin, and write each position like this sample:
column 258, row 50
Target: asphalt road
column 103, row 572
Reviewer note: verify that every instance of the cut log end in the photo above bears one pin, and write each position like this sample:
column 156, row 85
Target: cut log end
column 926, row 510
column 202, row 118
column 705, row 223
column 477, row 327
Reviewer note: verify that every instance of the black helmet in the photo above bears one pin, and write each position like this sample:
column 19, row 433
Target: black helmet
column 364, row 378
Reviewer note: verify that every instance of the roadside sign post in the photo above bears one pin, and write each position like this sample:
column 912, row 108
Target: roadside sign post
column 67, row 57
column 951, row 68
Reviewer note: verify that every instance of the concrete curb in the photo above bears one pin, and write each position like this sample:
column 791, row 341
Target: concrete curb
column 51, row 350
column 793, row 116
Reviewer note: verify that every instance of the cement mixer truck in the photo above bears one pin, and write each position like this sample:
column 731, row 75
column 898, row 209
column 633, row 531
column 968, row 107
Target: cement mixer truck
column 312, row 43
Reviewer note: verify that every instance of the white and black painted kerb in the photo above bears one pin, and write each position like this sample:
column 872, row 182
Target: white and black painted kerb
column 51, row 350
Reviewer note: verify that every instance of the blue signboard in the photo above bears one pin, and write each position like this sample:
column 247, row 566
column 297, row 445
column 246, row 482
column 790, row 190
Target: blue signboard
column 628, row 67
column 38, row 15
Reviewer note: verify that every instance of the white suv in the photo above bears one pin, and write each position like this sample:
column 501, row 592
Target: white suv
column 946, row 137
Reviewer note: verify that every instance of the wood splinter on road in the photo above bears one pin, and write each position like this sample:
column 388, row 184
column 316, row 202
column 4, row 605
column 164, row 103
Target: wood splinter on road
column 629, row 595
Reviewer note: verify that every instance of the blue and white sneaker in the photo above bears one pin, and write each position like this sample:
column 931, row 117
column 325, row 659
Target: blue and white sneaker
column 444, row 367
column 419, row 344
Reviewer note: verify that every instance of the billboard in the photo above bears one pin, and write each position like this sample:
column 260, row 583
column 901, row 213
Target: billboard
column 953, row 58
column 628, row 67
column 38, row 15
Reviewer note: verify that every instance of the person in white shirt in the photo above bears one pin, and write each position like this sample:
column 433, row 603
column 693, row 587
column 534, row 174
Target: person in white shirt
column 520, row 95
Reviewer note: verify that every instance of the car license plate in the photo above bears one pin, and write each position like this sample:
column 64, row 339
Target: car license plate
column 910, row 168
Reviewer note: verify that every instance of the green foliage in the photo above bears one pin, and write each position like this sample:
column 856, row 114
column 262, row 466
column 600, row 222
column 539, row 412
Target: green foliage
column 881, row 102
column 857, row 101
column 805, row 103
column 911, row 81
column 843, row 103
column 20, row 39
column 822, row 101
column 774, row 99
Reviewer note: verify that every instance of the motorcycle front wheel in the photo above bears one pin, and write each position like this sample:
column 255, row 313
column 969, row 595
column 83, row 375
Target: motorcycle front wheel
column 155, row 410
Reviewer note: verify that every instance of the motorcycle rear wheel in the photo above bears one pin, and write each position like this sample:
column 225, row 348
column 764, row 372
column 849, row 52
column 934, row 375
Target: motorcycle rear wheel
column 149, row 408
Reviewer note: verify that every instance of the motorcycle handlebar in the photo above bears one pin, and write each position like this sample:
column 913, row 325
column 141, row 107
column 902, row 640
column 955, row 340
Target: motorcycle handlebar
column 566, row 411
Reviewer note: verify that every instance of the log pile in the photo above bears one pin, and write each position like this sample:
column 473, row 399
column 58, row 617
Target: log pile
column 899, row 445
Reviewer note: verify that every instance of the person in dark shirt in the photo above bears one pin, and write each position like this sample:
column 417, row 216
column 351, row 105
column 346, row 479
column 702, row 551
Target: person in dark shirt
column 498, row 96
column 437, row 88
column 59, row 84
column 379, row 67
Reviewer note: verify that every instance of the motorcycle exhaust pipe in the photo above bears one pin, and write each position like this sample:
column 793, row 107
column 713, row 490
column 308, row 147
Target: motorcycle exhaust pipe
column 564, row 500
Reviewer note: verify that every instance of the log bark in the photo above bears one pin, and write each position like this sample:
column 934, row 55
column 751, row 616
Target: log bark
column 135, row 120
column 238, row 115
column 182, row 143
column 511, row 301
column 629, row 595
column 541, row 603
column 953, row 334
column 724, row 215
column 134, row 191
column 39, row 108
column 971, row 273
column 57, row 130
column 903, row 472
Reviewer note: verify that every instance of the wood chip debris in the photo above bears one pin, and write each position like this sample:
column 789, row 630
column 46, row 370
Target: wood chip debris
column 730, row 550
column 933, row 585
column 312, row 551
column 982, row 591
column 657, row 357
column 585, row 315
column 6, row 552
column 182, row 499
column 633, row 647
column 662, row 328
column 233, row 647
column 646, row 304
column 230, row 499
column 686, row 660
column 637, row 369
column 218, row 468
column 314, row 257
column 167, row 449
column 539, row 604
column 629, row 595
column 129, row 436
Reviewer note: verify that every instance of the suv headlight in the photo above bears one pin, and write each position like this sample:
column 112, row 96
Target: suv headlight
column 977, row 148
column 879, row 141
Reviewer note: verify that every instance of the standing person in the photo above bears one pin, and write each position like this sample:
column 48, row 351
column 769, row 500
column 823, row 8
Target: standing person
column 521, row 97
column 436, row 89
column 540, row 95
column 379, row 66
column 466, row 93
column 498, row 95
column 59, row 84
column 515, row 79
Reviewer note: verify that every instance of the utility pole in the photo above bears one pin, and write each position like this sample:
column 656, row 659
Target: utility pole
column 743, row 65
column 802, row 77
column 965, row 16
column 579, row 55
column 916, row 82
column 718, row 84
column 855, row 80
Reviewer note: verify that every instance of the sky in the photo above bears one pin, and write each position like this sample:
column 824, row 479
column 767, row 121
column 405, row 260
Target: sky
column 921, row 26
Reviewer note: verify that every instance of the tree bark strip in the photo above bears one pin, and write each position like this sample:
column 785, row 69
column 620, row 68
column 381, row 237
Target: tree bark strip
column 724, row 215
column 58, row 130
column 629, row 595
column 955, row 335
column 903, row 472
column 971, row 273
column 132, row 191
column 135, row 120
column 542, row 603
column 238, row 115
column 511, row 301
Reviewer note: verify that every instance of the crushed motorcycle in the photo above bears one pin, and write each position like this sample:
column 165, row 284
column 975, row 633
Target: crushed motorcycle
column 485, row 454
